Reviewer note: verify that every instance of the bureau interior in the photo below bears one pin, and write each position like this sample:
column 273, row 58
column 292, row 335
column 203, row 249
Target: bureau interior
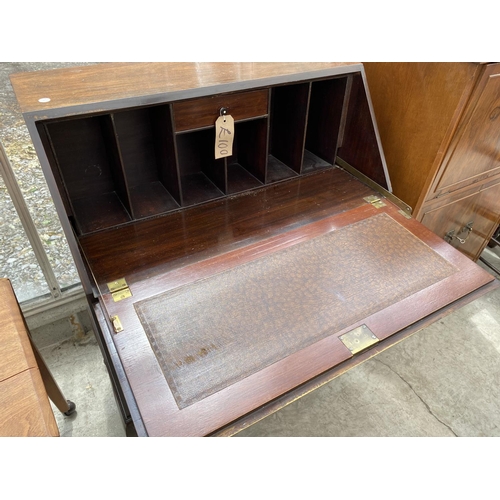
column 118, row 167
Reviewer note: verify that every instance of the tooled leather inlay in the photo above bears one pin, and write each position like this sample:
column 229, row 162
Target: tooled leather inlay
column 219, row 330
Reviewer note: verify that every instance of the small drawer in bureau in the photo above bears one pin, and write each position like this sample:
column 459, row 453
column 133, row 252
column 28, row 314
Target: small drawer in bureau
column 202, row 112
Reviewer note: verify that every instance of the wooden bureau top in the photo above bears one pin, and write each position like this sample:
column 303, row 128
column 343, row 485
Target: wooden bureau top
column 94, row 88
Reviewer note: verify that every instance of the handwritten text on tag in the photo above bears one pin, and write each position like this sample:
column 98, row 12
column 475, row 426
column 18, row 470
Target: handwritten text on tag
column 224, row 136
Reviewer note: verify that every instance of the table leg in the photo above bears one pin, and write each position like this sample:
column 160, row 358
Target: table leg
column 54, row 392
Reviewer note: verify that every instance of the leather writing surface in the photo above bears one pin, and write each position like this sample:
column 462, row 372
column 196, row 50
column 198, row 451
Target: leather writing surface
column 216, row 331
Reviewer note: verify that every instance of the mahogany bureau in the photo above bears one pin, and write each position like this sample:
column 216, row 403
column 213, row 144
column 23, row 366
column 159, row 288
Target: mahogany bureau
column 225, row 282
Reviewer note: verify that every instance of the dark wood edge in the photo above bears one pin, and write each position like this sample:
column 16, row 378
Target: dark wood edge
column 313, row 384
column 118, row 376
column 208, row 127
column 59, row 205
column 377, row 134
column 483, row 177
column 154, row 283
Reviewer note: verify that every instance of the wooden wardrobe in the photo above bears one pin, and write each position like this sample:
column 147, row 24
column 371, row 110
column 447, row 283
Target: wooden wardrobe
column 439, row 125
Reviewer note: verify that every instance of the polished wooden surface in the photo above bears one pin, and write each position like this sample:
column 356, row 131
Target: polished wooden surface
column 324, row 124
column 24, row 405
column 151, row 246
column 474, row 155
column 144, row 143
column 203, row 112
column 88, row 85
column 160, row 413
column 127, row 108
column 219, row 330
column 288, row 124
column 417, row 106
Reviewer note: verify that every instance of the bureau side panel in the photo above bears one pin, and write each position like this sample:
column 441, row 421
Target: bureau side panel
column 417, row 106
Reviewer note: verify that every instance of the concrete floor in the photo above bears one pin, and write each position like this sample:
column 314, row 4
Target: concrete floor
column 442, row 381
column 76, row 363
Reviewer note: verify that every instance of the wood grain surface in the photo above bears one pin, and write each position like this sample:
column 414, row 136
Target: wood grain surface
column 183, row 248
column 106, row 163
column 179, row 238
column 87, row 86
column 360, row 147
column 417, row 106
column 474, row 154
column 197, row 113
column 439, row 124
column 24, row 405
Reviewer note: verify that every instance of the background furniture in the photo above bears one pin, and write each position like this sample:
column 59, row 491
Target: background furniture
column 440, row 128
column 25, row 381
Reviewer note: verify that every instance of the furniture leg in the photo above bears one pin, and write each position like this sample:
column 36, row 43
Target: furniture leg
column 54, row 392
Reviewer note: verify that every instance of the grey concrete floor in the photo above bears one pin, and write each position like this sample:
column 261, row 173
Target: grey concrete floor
column 76, row 364
column 442, row 381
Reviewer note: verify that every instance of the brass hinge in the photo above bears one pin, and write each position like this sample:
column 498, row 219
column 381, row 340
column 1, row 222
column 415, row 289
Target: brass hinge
column 359, row 339
column 375, row 201
column 117, row 324
column 119, row 289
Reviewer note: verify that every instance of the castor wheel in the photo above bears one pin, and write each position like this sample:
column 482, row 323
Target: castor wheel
column 72, row 408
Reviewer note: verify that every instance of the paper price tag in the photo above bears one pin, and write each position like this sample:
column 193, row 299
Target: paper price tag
column 224, row 136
